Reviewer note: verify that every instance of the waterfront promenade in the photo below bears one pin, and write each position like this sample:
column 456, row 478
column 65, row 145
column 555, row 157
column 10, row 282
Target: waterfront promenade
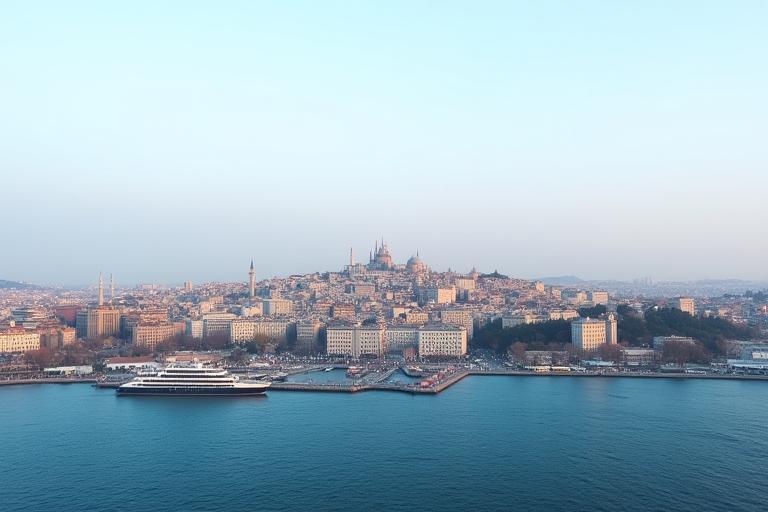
column 455, row 377
column 380, row 383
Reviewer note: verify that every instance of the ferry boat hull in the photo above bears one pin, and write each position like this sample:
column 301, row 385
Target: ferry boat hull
column 192, row 391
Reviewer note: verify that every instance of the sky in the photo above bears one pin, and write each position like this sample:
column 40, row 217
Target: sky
column 172, row 141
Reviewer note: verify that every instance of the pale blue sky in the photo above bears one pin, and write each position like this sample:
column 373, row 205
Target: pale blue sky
column 165, row 141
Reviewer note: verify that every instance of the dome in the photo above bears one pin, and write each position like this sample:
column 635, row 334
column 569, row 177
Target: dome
column 413, row 260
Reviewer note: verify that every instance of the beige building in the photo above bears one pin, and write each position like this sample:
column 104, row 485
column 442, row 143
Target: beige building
column 55, row 338
column 442, row 340
column 275, row 307
column 587, row 334
column 563, row 314
column 684, row 304
column 97, row 322
column 244, row 330
column 598, row 297
column 465, row 283
column 437, row 294
column 459, row 318
column 19, row 340
column 356, row 340
column 417, row 317
column 152, row 334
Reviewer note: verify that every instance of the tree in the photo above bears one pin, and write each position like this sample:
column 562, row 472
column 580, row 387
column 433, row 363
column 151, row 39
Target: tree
column 518, row 351
column 41, row 357
column 593, row 312
column 610, row 352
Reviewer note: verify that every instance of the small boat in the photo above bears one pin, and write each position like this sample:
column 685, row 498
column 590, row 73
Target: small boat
column 329, row 369
column 354, row 371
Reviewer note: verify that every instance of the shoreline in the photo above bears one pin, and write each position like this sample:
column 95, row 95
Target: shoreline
column 433, row 390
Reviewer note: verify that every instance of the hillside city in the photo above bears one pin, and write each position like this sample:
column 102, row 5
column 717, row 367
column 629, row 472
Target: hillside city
column 377, row 311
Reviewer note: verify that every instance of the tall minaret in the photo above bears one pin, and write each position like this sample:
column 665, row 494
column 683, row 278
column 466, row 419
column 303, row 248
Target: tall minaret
column 111, row 288
column 351, row 258
column 101, row 290
column 251, row 282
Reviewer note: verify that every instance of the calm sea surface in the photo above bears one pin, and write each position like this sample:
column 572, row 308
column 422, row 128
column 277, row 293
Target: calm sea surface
column 488, row 443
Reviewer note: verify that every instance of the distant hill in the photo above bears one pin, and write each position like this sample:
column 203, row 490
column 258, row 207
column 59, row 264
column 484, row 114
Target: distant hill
column 561, row 280
column 16, row 285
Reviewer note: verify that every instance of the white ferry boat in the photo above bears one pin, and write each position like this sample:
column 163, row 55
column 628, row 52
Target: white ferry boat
column 192, row 379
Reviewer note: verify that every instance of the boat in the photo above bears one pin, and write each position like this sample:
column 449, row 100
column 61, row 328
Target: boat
column 355, row 371
column 329, row 369
column 192, row 380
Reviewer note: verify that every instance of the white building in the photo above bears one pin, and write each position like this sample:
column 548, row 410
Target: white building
column 356, row 340
column 442, row 340
column 587, row 334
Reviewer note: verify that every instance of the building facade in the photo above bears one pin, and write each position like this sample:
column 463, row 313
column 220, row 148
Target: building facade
column 19, row 340
column 442, row 340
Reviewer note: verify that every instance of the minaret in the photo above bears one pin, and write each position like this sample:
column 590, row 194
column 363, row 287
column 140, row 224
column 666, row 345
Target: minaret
column 251, row 282
column 351, row 258
column 101, row 290
column 111, row 288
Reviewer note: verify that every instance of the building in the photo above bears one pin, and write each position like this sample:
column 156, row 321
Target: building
column 380, row 258
column 55, row 338
column 343, row 312
column 416, row 317
column 98, row 322
column 400, row 337
column 67, row 313
column 587, row 334
column 29, row 317
column 243, row 330
column 564, row 314
column 217, row 325
column 17, row 339
column 639, row 356
column 598, row 297
column 194, row 328
column 684, row 304
column 131, row 363
column 660, row 341
column 150, row 335
column 276, row 307
column 356, row 340
column 308, row 334
column 459, row 318
column 437, row 294
column 251, row 282
column 362, row 289
column 414, row 265
column 509, row 321
column 442, row 340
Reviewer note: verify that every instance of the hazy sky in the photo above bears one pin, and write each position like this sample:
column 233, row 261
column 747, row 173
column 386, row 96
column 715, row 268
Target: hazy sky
column 165, row 141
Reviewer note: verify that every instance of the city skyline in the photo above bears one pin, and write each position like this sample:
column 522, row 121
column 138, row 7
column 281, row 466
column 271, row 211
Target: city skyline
column 252, row 267
column 190, row 137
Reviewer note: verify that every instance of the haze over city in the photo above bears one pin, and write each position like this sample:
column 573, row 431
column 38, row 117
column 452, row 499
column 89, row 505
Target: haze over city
column 174, row 142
